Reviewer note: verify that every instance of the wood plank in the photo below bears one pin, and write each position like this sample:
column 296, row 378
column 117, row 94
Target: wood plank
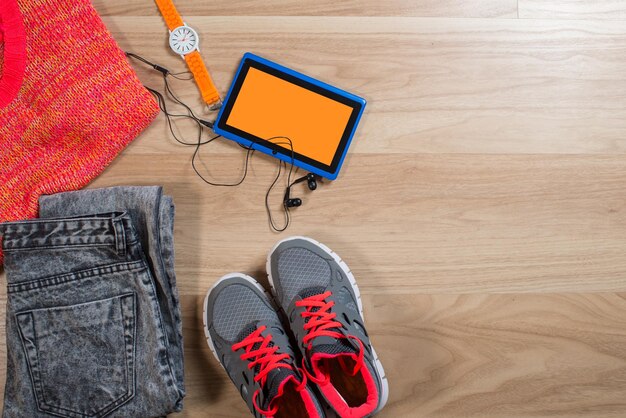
column 572, row 9
column 506, row 355
column 435, row 8
column 423, row 223
column 467, row 355
column 433, row 85
column 481, row 207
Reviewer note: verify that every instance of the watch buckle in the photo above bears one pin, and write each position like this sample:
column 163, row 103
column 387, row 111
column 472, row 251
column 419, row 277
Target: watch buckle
column 214, row 106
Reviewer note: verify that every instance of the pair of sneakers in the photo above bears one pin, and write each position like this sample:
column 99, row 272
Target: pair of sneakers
column 320, row 301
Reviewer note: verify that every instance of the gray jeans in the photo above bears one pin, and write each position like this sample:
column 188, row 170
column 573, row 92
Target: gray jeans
column 93, row 318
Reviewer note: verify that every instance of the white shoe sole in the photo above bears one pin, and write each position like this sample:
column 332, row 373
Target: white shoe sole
column 384, row 396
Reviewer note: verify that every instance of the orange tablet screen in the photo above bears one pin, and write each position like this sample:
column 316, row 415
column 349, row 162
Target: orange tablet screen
column 268, row 106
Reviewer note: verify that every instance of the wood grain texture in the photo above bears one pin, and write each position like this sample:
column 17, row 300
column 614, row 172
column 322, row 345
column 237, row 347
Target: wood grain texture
column 439, row 8
column 481, row 207
column 463, row 223
column 433, row 85
column 573, row 9
column 509, row 355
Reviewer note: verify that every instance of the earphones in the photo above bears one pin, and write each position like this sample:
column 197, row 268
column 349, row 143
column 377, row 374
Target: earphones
column 202, row 124
column 311, row 180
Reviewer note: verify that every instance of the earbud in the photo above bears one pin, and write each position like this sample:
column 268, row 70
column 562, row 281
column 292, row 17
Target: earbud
column 311, row 181
column 293, row 203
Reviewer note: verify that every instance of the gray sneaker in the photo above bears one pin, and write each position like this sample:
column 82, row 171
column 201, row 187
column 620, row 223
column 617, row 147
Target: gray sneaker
column 321, row 300
column 245, row 335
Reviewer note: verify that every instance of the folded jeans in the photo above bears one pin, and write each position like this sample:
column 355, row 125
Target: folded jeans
column 93, row 316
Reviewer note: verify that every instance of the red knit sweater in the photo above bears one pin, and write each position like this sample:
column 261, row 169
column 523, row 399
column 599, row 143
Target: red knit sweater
column 69, row 101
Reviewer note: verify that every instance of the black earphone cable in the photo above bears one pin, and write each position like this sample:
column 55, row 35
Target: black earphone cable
column 287, row 215
column 178, row 75
column 196, row 152
column 289, row 184
column 169, row 116
column 201, row 124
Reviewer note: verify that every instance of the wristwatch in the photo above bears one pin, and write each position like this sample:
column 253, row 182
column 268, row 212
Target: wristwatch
column 184, row 41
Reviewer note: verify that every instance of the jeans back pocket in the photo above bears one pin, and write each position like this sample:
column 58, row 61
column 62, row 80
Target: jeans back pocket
column 81, row 357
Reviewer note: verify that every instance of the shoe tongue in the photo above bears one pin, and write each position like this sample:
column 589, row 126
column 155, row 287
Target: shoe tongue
column 273, row 383
column 332, row 346
column 324, row 344
column 246, row 331
column 311, row 291
column 275, row 377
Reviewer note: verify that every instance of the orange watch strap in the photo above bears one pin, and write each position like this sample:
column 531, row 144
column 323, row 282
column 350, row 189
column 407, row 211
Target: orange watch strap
column 170, row 14
column 202, row 77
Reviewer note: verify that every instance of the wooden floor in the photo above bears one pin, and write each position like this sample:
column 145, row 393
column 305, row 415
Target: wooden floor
column 482, row 207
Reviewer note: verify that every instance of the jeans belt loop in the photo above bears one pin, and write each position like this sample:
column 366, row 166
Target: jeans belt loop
column 120, row 236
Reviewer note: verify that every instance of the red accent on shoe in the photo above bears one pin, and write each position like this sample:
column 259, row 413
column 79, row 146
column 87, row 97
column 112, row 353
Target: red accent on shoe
column 307, row 399
column 322, row 323
column 266, row 358
column 334, row 397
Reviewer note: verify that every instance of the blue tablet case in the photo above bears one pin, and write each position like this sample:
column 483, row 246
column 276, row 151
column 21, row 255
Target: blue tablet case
column 266, row 147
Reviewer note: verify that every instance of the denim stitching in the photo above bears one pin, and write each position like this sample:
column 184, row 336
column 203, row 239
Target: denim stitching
column 75, row 247
column 116, row 236
column 120, row 236
column 169, row 282
column 33, row 367
column 36, row 247
column 123, row 238
column 117, row 402
column 154, row 301
column 34, row 380
column 67, row 219
column 79, row 275
column 97, row 222
column 133, row 355
column 157, row 215
column 128, row 321
column 21, row 248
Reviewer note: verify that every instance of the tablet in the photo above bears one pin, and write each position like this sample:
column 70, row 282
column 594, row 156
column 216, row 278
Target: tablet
column 274, row 109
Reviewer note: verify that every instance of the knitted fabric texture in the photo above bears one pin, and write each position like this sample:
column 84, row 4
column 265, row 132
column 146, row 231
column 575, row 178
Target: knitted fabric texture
column 69, row 101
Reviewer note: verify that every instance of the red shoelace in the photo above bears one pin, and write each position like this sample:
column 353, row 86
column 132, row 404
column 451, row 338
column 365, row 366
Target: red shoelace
column 322, row 322
column 266, row 357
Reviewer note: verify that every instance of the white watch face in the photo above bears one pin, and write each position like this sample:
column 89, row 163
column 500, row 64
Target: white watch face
column 183, row 40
